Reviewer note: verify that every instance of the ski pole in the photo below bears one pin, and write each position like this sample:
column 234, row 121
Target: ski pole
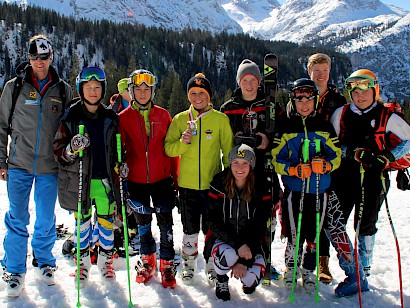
column 79, row 213
column 317, row 150
column 395, row 238
column 305, row 157
column 124, row 218
column 356, row 240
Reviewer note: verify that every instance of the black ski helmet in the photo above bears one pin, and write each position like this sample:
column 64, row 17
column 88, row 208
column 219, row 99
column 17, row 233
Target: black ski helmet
column 303, row 85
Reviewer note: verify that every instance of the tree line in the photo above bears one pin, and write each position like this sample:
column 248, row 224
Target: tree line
column 173, row 56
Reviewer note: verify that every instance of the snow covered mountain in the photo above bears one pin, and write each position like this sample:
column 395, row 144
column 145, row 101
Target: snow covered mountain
column 374, row 35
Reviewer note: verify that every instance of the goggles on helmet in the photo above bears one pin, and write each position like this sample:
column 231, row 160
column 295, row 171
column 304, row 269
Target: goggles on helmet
column 43, row 56
column 148, row 79
column 91, row 73
column 361, row 83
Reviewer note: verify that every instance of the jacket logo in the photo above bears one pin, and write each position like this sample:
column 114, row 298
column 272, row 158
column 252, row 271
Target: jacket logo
column 32, row 95
column 54, row 108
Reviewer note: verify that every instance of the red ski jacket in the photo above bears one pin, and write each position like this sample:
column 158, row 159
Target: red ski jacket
column 145, row 155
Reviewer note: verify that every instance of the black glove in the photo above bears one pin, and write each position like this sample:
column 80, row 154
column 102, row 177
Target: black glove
column 382, row 161
column 364, row 157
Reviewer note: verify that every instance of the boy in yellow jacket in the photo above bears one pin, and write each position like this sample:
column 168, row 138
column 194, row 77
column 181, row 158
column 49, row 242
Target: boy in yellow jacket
column 197, row 135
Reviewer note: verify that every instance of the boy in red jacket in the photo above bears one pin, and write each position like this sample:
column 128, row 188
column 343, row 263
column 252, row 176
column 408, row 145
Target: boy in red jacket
column 152, row 175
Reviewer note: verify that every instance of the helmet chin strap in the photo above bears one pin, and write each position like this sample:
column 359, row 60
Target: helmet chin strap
column 92, row 104
column 142, row 105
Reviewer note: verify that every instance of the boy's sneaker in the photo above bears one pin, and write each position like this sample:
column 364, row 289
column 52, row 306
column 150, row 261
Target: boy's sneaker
column 210, row 272
column 349, row 286
column 222, row 288
column 46, row 274
column 308, row 281
column 15, row 283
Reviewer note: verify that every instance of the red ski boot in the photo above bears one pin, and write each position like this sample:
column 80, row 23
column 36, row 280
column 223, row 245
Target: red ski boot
column 167, row 269
column 146, row 268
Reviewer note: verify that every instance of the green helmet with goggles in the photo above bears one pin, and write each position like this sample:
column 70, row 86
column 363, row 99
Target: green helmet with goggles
column 301, row 88
column 140, row 76
column 363, row 79
column 88, row 74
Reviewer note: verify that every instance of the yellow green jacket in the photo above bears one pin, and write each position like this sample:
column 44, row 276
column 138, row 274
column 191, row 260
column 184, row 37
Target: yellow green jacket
column 201, row 159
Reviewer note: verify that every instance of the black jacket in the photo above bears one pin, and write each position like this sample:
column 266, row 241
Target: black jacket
column 68, row 173
column 235, row 221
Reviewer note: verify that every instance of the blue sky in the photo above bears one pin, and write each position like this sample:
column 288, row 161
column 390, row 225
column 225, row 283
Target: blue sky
column 404, row 4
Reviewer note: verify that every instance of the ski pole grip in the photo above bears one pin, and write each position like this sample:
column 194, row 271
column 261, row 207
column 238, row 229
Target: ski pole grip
column 81, row 132
column 119, row 147
column 305, row 150
column 317, row 146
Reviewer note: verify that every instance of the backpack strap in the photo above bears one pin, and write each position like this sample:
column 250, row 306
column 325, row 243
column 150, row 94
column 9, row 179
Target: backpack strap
column 63, row 95
column 342, row 123
column 18, row 83
column 380, row 130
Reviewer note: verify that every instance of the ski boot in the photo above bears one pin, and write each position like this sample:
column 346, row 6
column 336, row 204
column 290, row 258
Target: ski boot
column 146, row 267
column 308, row 279
column 167, row 269
column 288, row 278
column 188, row 268
column 324, row 273
column 15, row 283
column 85, row 265
column 210, row 272
column 46, row 274
column 350, row 286
column 366, row 244
column 222, row 288
column 249, row 290
column 104, row 264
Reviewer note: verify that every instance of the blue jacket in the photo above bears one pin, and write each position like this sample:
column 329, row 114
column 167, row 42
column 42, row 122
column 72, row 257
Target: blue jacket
column 287, row 151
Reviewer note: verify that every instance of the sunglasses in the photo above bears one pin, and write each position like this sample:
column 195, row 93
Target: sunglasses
column 148, row 79
column 362, row 83
column 43, row 56
column 91, row 73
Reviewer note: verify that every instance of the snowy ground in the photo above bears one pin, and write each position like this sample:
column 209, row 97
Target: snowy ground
column 384, row 281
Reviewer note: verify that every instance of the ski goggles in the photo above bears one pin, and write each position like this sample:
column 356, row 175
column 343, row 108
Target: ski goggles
column 299, row 93
column 91, row 73
column 299, row 98
column 139, row 79
column 361, row 83
column 42, row 56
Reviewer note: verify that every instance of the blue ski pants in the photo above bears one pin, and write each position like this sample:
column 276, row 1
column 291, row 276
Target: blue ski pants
column 19, row 184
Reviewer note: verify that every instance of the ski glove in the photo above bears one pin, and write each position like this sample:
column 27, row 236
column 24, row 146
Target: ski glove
column 364, row 157
column 320, row 165
column 77, row 144
column 122, row 170
column 382, row 161
column 302, row 171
